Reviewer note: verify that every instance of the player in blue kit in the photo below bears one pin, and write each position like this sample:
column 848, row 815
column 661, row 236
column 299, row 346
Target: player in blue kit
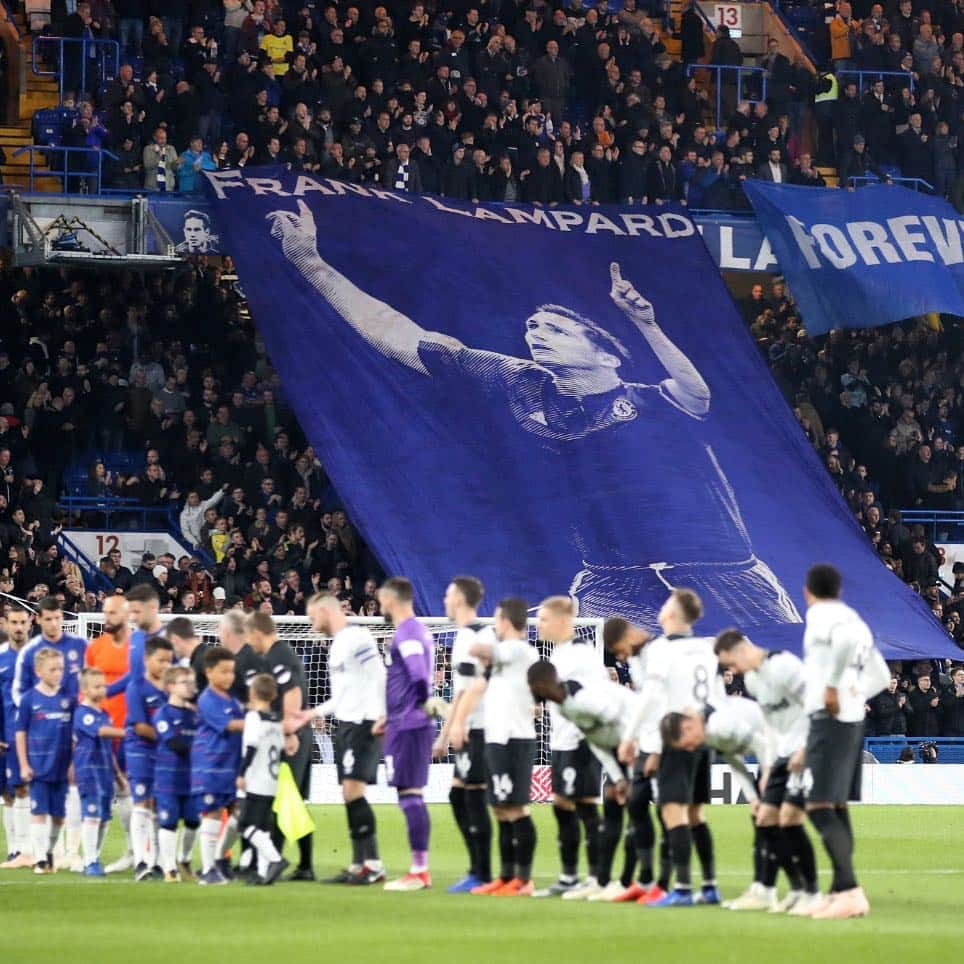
column 16, row 797
column 216, row 756
column 176, row 725
column 144, row 605
column 44, row 719
column 94, row 766
column 50, row 618
column 409, row 729
column 145, row 697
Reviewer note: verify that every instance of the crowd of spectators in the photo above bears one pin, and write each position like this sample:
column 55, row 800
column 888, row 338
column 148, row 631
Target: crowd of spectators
column 170, row 369
column 884, row 408
column 919, row 703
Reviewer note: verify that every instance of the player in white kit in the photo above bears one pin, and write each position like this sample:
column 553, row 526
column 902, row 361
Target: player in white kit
column 510, row 743
column 357, row 674
column 576, row 773
column 468, row 790
column 681, row 675
column 776, row 681
column 843, row 670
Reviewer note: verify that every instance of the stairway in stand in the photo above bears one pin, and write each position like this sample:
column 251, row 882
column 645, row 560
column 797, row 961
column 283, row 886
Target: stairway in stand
column 39, row 93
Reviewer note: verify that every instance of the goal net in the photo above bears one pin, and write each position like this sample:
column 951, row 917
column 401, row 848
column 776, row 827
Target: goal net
column 312, row 648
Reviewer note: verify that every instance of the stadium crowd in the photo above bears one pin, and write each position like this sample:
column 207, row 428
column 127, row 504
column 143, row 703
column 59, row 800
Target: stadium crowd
column 508, row 101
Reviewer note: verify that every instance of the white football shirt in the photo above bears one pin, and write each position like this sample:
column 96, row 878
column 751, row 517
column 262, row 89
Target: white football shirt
column 573, row 661
column 779, row 686
column 510, row 709
column 357, row 675
column 647, row 741
column 467, row 668
column 262, row 731
column 837, row 646
column 681, row 675
column 601, row 710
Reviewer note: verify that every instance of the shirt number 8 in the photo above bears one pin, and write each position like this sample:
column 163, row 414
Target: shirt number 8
column 701, row 685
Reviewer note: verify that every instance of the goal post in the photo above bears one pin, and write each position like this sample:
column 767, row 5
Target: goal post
column 313, row 647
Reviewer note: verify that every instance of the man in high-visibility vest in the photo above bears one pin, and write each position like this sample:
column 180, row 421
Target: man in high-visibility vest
column 826, row 90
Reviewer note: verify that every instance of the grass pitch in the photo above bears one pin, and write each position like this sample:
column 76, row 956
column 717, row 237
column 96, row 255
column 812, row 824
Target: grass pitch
column 908, row 860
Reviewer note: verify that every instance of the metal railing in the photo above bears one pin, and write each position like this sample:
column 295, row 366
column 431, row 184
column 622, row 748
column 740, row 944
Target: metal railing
column 93, row 578
column 943, row 525
column 869, row 77
column 150, row 517
column 917, row 183
column 734, row 75
column 97, row 60
column 88, row 179
column 887, row 749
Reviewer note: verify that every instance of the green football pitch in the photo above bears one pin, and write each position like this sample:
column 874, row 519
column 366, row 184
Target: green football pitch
column 908, row 860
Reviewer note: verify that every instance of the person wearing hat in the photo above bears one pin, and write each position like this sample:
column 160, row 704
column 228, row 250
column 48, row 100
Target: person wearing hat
column 857, row 163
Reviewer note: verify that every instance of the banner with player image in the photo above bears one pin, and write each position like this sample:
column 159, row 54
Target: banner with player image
column 554, row 400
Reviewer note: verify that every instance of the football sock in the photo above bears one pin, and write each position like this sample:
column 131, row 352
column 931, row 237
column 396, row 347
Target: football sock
column 681, row 849
column 525, row 846
column 568, row 824
column 21, row 824
column 769, row 838
column 264, row 845
column 844, row 814
column 703, row 841
column 141, row 819
column 72, row 824
column 102, row 828
column 361, row 829
column 802, row 855
column 167, row 848
column 210, row 831
column 612, row 831
column 419, row 829
column 839, row 846
column 461, row 814
column 55, row 829
column 758, row 851
column 507, row 849
column 89, row 836
column 9, row 828
column 228, row 837
column 588, row 815
column 788, row 863
column 629, row 856
column 643, row 830
column 665, row 862
column 40, row 839
column 480, row 832
column 187, row 844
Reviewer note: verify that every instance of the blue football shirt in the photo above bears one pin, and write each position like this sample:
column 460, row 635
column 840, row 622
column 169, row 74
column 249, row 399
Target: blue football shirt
column 216, row 754
column 47, row 722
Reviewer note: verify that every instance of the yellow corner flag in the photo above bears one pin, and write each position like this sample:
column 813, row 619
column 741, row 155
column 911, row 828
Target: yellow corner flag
column 294, row 820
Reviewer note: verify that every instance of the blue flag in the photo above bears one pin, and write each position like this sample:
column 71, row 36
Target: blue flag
column 857, row 259
column 557, row 401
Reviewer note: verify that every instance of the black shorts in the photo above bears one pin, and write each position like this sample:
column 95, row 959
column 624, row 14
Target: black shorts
column 470, row 765
column 783, row 786
column 257, row 812
column 509, row 768
column 357, row 752
column 643, row 787
column 834, row 759
column 576, row 774
column 684, row 776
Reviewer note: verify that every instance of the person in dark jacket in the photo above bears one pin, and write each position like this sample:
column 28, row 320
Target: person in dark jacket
column 691, row 34
column 858, row 162
column 542, row 184
column 663, row 184
column 401, row 173
column 951, row 707
column 457, row 177
column 916, row 155
column 632, row 173
column 922, row 703
column 886, row 712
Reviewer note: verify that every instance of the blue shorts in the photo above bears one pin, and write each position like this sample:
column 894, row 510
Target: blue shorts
column 48, row 798
column 95, row 806
column 172, row 810
column 210, row 802
column 11, row 767
column 408, row 754
column 142, row 788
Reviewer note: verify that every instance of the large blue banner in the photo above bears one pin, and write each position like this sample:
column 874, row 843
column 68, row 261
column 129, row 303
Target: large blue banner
column 554, row 400
column 856, row 259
